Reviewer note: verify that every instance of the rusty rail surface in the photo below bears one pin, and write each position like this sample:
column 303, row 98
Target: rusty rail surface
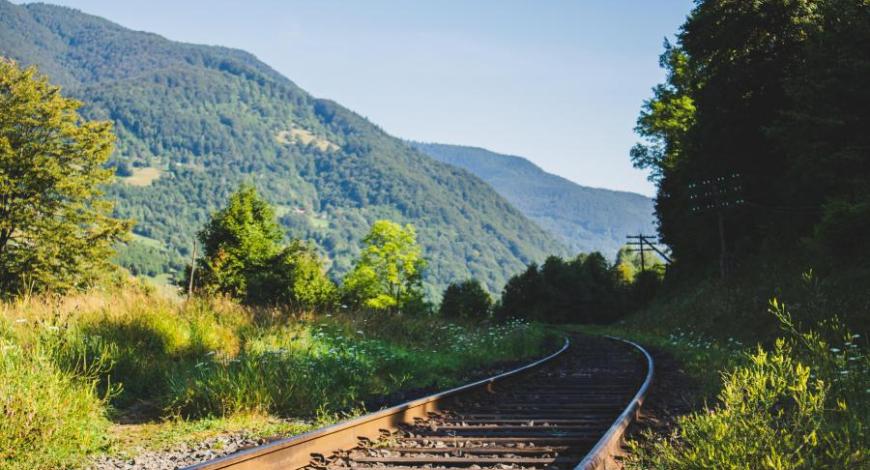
column 551, row 413
column 608, row 445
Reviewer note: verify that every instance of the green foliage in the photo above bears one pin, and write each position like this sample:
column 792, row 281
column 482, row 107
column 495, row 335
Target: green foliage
column 210, row 118
column 775, row 92
column 238, row 242
column 583, row 290
column 56, row 232
column 736, row 309
column 388, row 273
column 50, row 418
column 630, row 265
column 295, row 277
column 143, row 260
column 243, row 258
column 801, row 406
column 466, row 301
column 585, row 219
column 340, row 368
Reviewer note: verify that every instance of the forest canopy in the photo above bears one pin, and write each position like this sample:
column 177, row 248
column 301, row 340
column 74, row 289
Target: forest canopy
column 758, row 138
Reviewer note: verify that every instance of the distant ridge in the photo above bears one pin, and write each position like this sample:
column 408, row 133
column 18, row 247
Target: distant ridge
column 586, row 219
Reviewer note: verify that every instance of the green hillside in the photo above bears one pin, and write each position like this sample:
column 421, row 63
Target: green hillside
column 193, row 122
column 586, row 219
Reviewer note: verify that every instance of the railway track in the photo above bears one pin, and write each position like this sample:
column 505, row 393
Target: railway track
column 568, row 410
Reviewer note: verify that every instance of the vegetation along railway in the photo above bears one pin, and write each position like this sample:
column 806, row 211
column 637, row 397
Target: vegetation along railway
column 567, row 410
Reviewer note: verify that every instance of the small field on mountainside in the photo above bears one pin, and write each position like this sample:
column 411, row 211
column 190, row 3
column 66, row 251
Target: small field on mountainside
column 116, row 370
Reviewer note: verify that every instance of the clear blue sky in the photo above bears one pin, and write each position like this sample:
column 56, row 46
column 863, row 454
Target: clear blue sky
column 558, row 82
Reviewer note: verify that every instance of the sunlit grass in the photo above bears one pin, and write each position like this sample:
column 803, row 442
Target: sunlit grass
column 190, row 369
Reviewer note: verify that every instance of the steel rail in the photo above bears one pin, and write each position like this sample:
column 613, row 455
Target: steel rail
column 295, row 452
column 607, row 446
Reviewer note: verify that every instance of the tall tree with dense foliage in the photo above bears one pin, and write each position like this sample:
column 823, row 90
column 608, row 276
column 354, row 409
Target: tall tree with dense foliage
column 243, row 257
column 237, row 243
column 56, row 229
column 465, row 300
column 775, row 93
column 388, row 273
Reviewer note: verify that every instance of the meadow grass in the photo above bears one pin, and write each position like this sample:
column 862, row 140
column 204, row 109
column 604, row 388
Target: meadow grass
column 77, row 363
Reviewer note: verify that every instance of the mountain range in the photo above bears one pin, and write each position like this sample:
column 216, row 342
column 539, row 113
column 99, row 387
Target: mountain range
column 586, row 219
column 193, row 122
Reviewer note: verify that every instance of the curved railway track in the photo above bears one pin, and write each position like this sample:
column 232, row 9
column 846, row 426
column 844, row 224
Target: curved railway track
column 567, row 410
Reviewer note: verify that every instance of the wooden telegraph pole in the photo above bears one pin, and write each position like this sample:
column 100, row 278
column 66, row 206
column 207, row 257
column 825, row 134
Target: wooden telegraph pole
column 717, row 194
column 192, row 271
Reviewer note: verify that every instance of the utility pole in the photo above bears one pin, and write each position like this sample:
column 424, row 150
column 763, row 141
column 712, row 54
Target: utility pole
column 717, row 194
column 641, row 243
column 642, row 257
column 192, row 271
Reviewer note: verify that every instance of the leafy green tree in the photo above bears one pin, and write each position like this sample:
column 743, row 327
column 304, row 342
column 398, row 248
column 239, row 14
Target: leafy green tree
column 388, row 273
column 521, row 294
column 56, row 230
column 465, row 300
column 244, row 258
column 238, row 243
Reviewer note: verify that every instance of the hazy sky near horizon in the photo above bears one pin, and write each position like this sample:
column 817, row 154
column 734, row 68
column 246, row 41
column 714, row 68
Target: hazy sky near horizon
column 557, row 82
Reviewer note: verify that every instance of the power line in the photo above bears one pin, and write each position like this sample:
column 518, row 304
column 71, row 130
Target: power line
column 717, row 194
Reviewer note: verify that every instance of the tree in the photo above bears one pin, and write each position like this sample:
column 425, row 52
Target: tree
column 388, row 273
column 465, row 300
column 238, row 243
column 56, row 230
column 244, row 258
column 521, row 294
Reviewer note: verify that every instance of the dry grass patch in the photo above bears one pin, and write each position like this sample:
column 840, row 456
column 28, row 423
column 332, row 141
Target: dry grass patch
column 304, row 137
column 142, row 176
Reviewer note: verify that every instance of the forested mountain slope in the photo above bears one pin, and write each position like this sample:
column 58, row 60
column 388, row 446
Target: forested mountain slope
column 587, row 219
column 193, row 122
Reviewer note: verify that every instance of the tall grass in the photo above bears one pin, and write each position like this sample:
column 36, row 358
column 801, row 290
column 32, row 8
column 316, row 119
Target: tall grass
column 48, row 418
column 71, row 362
column 286, row 371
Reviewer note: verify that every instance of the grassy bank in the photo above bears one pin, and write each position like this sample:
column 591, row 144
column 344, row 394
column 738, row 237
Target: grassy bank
column 782, row 386
column 74, row 367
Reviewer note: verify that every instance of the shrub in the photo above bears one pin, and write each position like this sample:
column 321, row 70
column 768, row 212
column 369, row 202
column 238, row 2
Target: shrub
column 465, row 300
column 801, row 406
